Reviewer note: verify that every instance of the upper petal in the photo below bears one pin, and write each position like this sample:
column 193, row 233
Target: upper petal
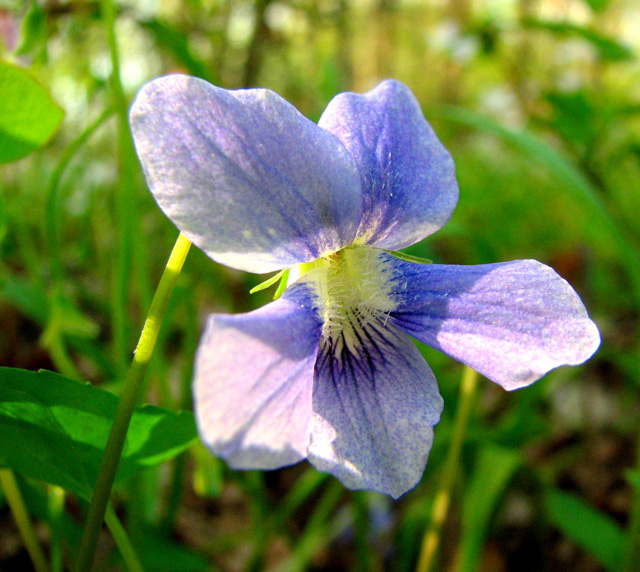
column 243, row 174
column 375, row 403
column 253, row 383
column 408, row 178
column 512, row 322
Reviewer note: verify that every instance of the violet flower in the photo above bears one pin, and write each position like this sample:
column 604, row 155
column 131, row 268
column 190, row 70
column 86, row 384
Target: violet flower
column 328, row 372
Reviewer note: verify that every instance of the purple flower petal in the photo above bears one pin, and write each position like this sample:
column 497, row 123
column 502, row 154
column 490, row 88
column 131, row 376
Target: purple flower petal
column 243, row 174
column 408, row 178
column 512, row 322
column 374, row 406
column 253, row 383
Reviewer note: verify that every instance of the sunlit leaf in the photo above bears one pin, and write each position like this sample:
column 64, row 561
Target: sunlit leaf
column 594, row 531
column 597, row 5
column 54, row 430
column 608, row 48
column 28, row 115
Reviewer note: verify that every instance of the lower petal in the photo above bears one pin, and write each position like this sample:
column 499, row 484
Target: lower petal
column 375, row 403
column 512, row 322
column 253, row 383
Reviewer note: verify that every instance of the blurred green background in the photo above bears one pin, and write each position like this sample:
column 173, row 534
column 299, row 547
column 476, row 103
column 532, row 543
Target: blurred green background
column 539, row 103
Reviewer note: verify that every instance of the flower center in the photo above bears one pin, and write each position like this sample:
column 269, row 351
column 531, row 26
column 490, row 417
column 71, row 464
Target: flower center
column 353, row 289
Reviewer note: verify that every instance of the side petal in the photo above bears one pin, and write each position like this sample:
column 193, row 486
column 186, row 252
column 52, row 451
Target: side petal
column 243, row 174
column 512, row 322
column 408, row 178
column 375, row 405
column 253, row 383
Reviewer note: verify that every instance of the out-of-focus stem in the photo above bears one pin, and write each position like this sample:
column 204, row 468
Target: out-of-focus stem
column 132, row 388
column 20, row 515
column 441, row 502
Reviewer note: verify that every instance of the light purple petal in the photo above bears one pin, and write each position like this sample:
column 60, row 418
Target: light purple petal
column 512, row 322
column 374, row 412
column 253, row 383
column 243, row 174
column 408, row 178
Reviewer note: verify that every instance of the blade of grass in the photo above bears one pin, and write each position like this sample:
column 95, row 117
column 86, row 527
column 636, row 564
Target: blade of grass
column 442, row 499
column 126, row 206
column 21, row 516
column 572, row 179
column 121, row 538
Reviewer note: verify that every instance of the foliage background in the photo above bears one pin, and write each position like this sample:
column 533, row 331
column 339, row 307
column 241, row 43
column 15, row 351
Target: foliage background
column 539, row 103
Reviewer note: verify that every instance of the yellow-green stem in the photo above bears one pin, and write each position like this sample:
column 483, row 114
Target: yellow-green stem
column 442, row 499
column 131, row 392
column 20, row 515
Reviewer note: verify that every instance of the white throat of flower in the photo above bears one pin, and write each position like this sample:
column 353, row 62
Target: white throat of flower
column 353, row 290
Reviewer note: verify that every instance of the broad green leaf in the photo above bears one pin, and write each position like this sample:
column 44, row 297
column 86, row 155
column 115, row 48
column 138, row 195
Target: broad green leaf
column 494, row 469
column 608, row 48
column 594, row 531
column 28, row 115
column 55, row 429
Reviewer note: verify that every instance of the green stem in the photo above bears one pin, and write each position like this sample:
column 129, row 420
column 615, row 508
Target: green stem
column 57, row 497
column 53, row 194
column 189, row 348
column 132, row 388
column 53, row 338
column 21, row 516
column 317, row 533
column 361, row 521
column 442, row 499
column 126, row 206
column 122, row 541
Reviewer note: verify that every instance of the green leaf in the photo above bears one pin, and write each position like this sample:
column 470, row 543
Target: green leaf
column 633, row 477
column 54, row 430
column 28, row 115
column 594, row 531
column 268, row 282
column 33, row 32
column 494, row 469
column 177, row 42
column 570, row 180
column 597, row 5
column 161, row 554
column 31, row 299
column 408, row 257
column 608, row 48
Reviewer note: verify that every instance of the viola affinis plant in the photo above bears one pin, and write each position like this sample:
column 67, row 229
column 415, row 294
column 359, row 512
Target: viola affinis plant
column 328, row 372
